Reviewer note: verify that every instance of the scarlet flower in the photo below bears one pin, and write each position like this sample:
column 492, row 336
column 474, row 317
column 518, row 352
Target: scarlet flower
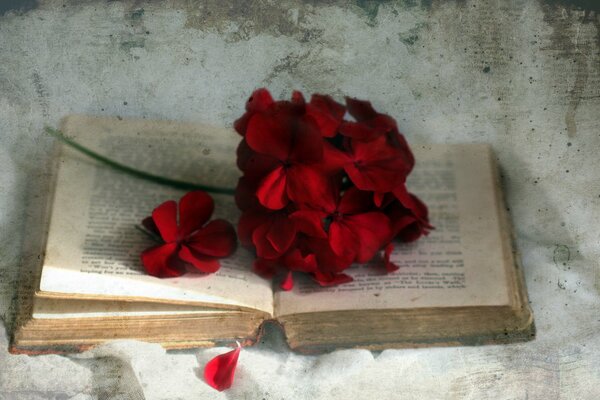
column 377, row 165
column 271, row 233
column 353, row 228
column 190, row 243
column 285, row 133
column 283, row 146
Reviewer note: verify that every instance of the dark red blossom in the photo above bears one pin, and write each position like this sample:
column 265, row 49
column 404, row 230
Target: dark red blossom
column 355, row 230
column 287, row 144
column 377, row 165
column 190, row 243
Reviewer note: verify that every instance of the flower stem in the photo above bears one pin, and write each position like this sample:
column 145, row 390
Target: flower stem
column 135, row 172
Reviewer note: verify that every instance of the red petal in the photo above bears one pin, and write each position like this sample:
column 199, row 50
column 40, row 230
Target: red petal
column 333, row 159
column 270, row 134
column 243, row 153
column 377, row 166
column 254, row 165
column 241, row 124
column 412, row 232
column 272, row 189
column 389, row 266
column 298, row 98
column 328, row 279
column 265, row 268
column 355, row 201
column 343, row 241
column 327, row 260
column 159, row 261
column 360, row 131
column 195, row 208
column 360, row 109
column 310, row 222
column 264, row 248
column 378, row 198
column 165, row 218
column 327, row 113
column 295, row 261
column 307, row 145
column 245, row 194
column 219, row 371
column 288, row 282
column 372, row 229
column 281, row 233
column 199, row 261
column 259, row 101
column 413, row 203
column 308, row 185
column 216, row 239
column 249, row 221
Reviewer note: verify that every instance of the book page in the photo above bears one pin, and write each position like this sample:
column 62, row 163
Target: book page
column 93, row 247
column 460, row 263
column 46, row 308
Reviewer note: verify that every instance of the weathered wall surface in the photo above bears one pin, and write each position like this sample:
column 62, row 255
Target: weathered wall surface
column 521, row 75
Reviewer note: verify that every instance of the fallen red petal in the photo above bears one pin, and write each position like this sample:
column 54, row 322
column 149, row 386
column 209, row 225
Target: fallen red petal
column 219, row 371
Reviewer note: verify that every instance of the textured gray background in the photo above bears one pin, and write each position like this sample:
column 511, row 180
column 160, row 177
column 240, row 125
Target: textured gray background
column 521, row 75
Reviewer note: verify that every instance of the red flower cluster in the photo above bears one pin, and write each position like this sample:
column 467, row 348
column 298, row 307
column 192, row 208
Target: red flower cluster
column 319, row 191
column 189, row 244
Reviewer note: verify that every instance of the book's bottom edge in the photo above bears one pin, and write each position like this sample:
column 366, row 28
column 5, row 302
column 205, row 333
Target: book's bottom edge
column 17, row 348
column 496, row 338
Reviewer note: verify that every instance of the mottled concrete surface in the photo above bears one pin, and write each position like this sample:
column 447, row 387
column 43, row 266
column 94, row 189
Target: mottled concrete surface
column 521, row 75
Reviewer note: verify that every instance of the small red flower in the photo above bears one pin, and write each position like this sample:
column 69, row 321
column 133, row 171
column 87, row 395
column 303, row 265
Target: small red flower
column 219, row 371
column 355, row 229
column 283, row 147
column 190, row 243
column 378, row 165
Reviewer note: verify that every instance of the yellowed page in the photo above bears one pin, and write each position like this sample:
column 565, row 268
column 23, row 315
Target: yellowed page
column 46, row 308
column 93, row 248
column 460, row 263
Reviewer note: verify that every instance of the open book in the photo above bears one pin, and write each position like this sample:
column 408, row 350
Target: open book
column 462, row 284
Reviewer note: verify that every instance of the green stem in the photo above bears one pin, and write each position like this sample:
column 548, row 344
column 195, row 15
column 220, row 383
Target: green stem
column 135, row 172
